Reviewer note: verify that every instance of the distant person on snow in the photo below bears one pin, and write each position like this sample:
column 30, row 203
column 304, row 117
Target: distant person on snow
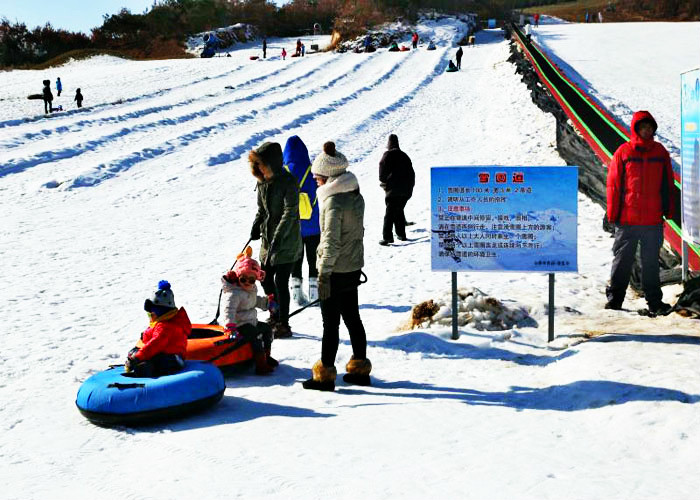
column 284, row 54
column 587, row 17
column 276, row 224
column 48, row 96
column 368, row 42
column 600, row 17
column 414, row 40
column 340, row 261
column 397, row 178
column 303, row 50
column 528, row 32
column 297, row 161
column 163, row 344
column 458, row 56
column 240, row 298
column 59, row 87
column 537, row 20
column 431, row 45
column 264, row 47
column 78, row 98
column 639, row 195
column 298, row 51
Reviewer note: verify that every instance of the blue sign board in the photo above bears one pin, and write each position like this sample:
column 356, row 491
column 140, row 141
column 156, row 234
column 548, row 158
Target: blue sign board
column 690, row 155
column 496, row 218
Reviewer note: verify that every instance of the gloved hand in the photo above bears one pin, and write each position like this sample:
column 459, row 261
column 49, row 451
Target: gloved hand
column 272, row 305
column 231, row 329
column 255, row 232
column 130, row 364
column 324, row 286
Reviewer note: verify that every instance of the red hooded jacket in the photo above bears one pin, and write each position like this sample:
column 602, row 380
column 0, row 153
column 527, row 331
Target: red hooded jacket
column 167, row 337
column 640, row 180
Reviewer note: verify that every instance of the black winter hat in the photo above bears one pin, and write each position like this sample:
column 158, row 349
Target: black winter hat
column 393, row 142
column 271, row 155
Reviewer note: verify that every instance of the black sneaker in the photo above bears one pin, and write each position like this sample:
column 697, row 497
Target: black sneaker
column 402, row 238
column 385, row 243
column 615, row 306
column 410, row 223
column 660, row 309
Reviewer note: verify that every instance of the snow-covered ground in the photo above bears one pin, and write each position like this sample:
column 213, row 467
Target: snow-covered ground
column 150, row 181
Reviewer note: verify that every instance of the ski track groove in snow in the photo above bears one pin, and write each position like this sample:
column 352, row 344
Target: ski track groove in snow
column 16, row 166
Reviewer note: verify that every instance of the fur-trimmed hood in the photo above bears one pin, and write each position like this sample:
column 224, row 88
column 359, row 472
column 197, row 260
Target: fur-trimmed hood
column 344, row 183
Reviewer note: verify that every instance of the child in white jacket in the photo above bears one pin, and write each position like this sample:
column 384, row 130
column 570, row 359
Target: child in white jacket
column 240, row 298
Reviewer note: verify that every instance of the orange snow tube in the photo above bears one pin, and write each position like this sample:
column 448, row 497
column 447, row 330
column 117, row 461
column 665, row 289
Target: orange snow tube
column 210, row 343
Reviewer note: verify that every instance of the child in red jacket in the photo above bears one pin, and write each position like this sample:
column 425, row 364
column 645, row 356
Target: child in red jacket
column 163, row 344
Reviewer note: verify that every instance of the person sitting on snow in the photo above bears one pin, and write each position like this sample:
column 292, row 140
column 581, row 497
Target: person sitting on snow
column 163, row 344
column 394, row 47
column 431, row 45
column 240, row 296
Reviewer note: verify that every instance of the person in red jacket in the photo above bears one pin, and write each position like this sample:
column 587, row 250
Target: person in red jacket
column 163, row 344
column 639, row 195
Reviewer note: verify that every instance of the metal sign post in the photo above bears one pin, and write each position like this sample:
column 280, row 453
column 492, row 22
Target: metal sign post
column 550, row 336
column 455, row 333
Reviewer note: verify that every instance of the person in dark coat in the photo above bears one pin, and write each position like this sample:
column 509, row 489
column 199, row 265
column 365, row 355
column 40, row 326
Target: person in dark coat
column 458, row 56
column 297, row 161
column 639, row 196
column 48, row 96
column 397, row 177
column 264, row 48
column 78, row 98
column 277, row 225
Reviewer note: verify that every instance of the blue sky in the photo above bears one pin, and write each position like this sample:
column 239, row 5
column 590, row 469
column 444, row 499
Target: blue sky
column 71, row 15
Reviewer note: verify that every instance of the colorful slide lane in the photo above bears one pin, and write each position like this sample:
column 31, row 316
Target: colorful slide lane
column 598, row 127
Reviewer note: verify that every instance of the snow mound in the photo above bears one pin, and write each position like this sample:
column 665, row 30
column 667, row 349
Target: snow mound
column 474, row 309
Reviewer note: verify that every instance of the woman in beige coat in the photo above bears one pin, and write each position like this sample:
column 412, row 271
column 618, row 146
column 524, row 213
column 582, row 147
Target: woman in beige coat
column 340, row 257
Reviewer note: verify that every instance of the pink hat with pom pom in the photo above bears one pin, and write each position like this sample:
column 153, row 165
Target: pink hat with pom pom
column 246, row 264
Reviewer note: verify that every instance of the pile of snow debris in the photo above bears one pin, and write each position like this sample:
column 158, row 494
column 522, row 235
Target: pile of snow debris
column 475, row 309
column 383, row 36
column 221, row 38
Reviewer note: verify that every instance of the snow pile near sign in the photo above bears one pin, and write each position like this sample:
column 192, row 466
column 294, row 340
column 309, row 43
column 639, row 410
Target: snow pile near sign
column 475, row 309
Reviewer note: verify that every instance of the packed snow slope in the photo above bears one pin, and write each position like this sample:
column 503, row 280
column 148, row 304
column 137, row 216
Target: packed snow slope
column 150, row 181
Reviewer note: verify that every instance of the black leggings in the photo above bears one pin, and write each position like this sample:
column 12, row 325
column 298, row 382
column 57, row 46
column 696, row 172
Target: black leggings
column 259, row 336
column 277, row 281
column 311, row 244
column 159, row 365
column 342, row 302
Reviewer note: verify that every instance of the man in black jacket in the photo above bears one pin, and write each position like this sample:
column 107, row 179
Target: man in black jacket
column 397, row 177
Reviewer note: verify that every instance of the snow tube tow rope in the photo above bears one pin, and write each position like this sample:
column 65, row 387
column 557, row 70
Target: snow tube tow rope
column 600, row 130
column 112, row 397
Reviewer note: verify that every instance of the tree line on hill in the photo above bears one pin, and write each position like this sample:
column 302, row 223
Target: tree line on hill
column 161, row 31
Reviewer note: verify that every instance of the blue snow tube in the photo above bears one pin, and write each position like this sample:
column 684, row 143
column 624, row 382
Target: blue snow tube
column 111, row 398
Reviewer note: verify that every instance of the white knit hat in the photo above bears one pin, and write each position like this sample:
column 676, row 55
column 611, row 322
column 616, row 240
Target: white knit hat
column 330, row 163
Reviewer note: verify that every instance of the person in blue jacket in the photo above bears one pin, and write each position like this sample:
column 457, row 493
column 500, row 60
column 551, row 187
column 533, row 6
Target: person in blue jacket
column 59, row 86
column 297, row 161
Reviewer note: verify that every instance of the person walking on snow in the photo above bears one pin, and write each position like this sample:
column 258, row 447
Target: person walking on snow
column 264, row 47
column 458, row 57
column 296, row 160
column 340, row 261
column 240, row 297
column 537, row 20
column 397, row 178
column 48, row 96
column 284, row 54
column 414, row 40
column 298, row 51
column 277, row 226
column 78, row 98
column 639, row 196
column 59, row 87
